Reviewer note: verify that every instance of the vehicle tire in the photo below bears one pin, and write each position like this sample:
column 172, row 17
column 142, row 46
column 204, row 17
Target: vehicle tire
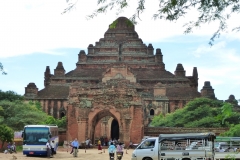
column 148, row 158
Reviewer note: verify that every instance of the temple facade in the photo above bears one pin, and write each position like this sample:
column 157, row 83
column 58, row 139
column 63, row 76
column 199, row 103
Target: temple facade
column 116, row 88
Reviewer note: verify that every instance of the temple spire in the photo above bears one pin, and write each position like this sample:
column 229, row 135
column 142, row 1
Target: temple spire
column 59, row 71
column 47, row 75
column 179, row 70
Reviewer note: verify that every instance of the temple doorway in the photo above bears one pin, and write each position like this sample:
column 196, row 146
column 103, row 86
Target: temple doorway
column 114, row 129
column 104, row 126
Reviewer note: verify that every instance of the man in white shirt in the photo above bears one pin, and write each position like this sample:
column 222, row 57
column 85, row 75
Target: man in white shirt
column 48, row 149
column 52, row 144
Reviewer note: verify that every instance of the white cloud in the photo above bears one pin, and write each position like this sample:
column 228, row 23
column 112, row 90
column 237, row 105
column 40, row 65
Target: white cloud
column 220, row 52
column 218, row 64
column 30, row 26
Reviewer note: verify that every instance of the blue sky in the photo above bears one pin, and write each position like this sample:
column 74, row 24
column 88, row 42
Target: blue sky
column 34, row 34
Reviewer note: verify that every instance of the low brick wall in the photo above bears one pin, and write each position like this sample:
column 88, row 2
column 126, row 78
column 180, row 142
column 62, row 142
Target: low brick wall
column 155, row 131
column 62, row 134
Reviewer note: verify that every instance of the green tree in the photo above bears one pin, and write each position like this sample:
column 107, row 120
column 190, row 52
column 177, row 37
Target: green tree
column 10, row 96
column 6, row 134
column 37, row 104
column 17, row 114
column 200, row 112
column 171, row 10
column 61, row 123
column 2, row 70
column 234, row 131
column 227, row 112
column 1, row 114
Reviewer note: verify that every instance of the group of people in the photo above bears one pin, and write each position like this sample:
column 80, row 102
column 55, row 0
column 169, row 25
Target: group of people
column 50, row 148
column 11, row 148
column 118, row 148
column 104, row 141
column 114, row 146
column 228, row 149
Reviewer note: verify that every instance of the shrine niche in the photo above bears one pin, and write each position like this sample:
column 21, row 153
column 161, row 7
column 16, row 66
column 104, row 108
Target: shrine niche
column 118, row 85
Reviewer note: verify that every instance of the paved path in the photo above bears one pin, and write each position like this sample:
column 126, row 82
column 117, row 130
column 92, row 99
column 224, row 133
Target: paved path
column 91, row 154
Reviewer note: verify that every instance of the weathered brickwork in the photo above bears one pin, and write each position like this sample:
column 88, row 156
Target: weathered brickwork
column 155, row 131
column 117, row 87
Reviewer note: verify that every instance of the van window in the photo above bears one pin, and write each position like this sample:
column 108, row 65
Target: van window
column 149, row 143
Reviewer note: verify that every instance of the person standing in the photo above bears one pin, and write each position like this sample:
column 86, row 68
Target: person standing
column 130, row 144
column 48, row 149
column 102, row 141
column 52, row 144
column 87, row 143
column 75, row 146
column 99, row 146
column 106, row 141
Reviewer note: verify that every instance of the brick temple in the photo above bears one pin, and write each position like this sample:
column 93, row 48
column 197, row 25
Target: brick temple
column 118, row 85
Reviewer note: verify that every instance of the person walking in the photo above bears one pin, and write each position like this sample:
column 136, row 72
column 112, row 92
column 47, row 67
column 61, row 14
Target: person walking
column 99, row 146
column 75, row 146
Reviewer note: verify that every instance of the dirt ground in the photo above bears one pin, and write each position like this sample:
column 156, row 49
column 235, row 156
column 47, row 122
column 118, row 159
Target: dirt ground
column 91, row 154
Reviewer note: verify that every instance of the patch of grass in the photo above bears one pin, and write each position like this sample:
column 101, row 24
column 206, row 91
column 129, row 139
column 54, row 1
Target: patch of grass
column 19, row 148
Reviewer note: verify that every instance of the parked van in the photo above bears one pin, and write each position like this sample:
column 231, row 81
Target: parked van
column 173, row 147
column 147, row 149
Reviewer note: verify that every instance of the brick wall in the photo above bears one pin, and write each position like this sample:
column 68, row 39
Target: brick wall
column 155, row 131
column 137, row 125
column 62, row 136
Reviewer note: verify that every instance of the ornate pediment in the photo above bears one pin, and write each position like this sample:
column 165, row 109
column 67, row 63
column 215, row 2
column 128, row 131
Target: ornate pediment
column 108, row 97
column 120, row 71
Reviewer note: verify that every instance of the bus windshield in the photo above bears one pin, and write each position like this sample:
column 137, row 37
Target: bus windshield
column 35, row 135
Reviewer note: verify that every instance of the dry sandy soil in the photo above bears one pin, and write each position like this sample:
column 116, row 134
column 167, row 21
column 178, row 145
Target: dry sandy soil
column 91, row 154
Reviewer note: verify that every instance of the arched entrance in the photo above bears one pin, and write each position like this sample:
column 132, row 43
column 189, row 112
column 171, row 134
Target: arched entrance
column 104, row 126
column 114, row 129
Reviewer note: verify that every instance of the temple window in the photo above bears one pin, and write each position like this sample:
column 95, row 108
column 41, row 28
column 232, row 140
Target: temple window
column 152, row 112
column 62, row 114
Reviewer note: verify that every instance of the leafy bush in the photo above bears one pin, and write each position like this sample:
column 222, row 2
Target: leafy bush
column 200, row 112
